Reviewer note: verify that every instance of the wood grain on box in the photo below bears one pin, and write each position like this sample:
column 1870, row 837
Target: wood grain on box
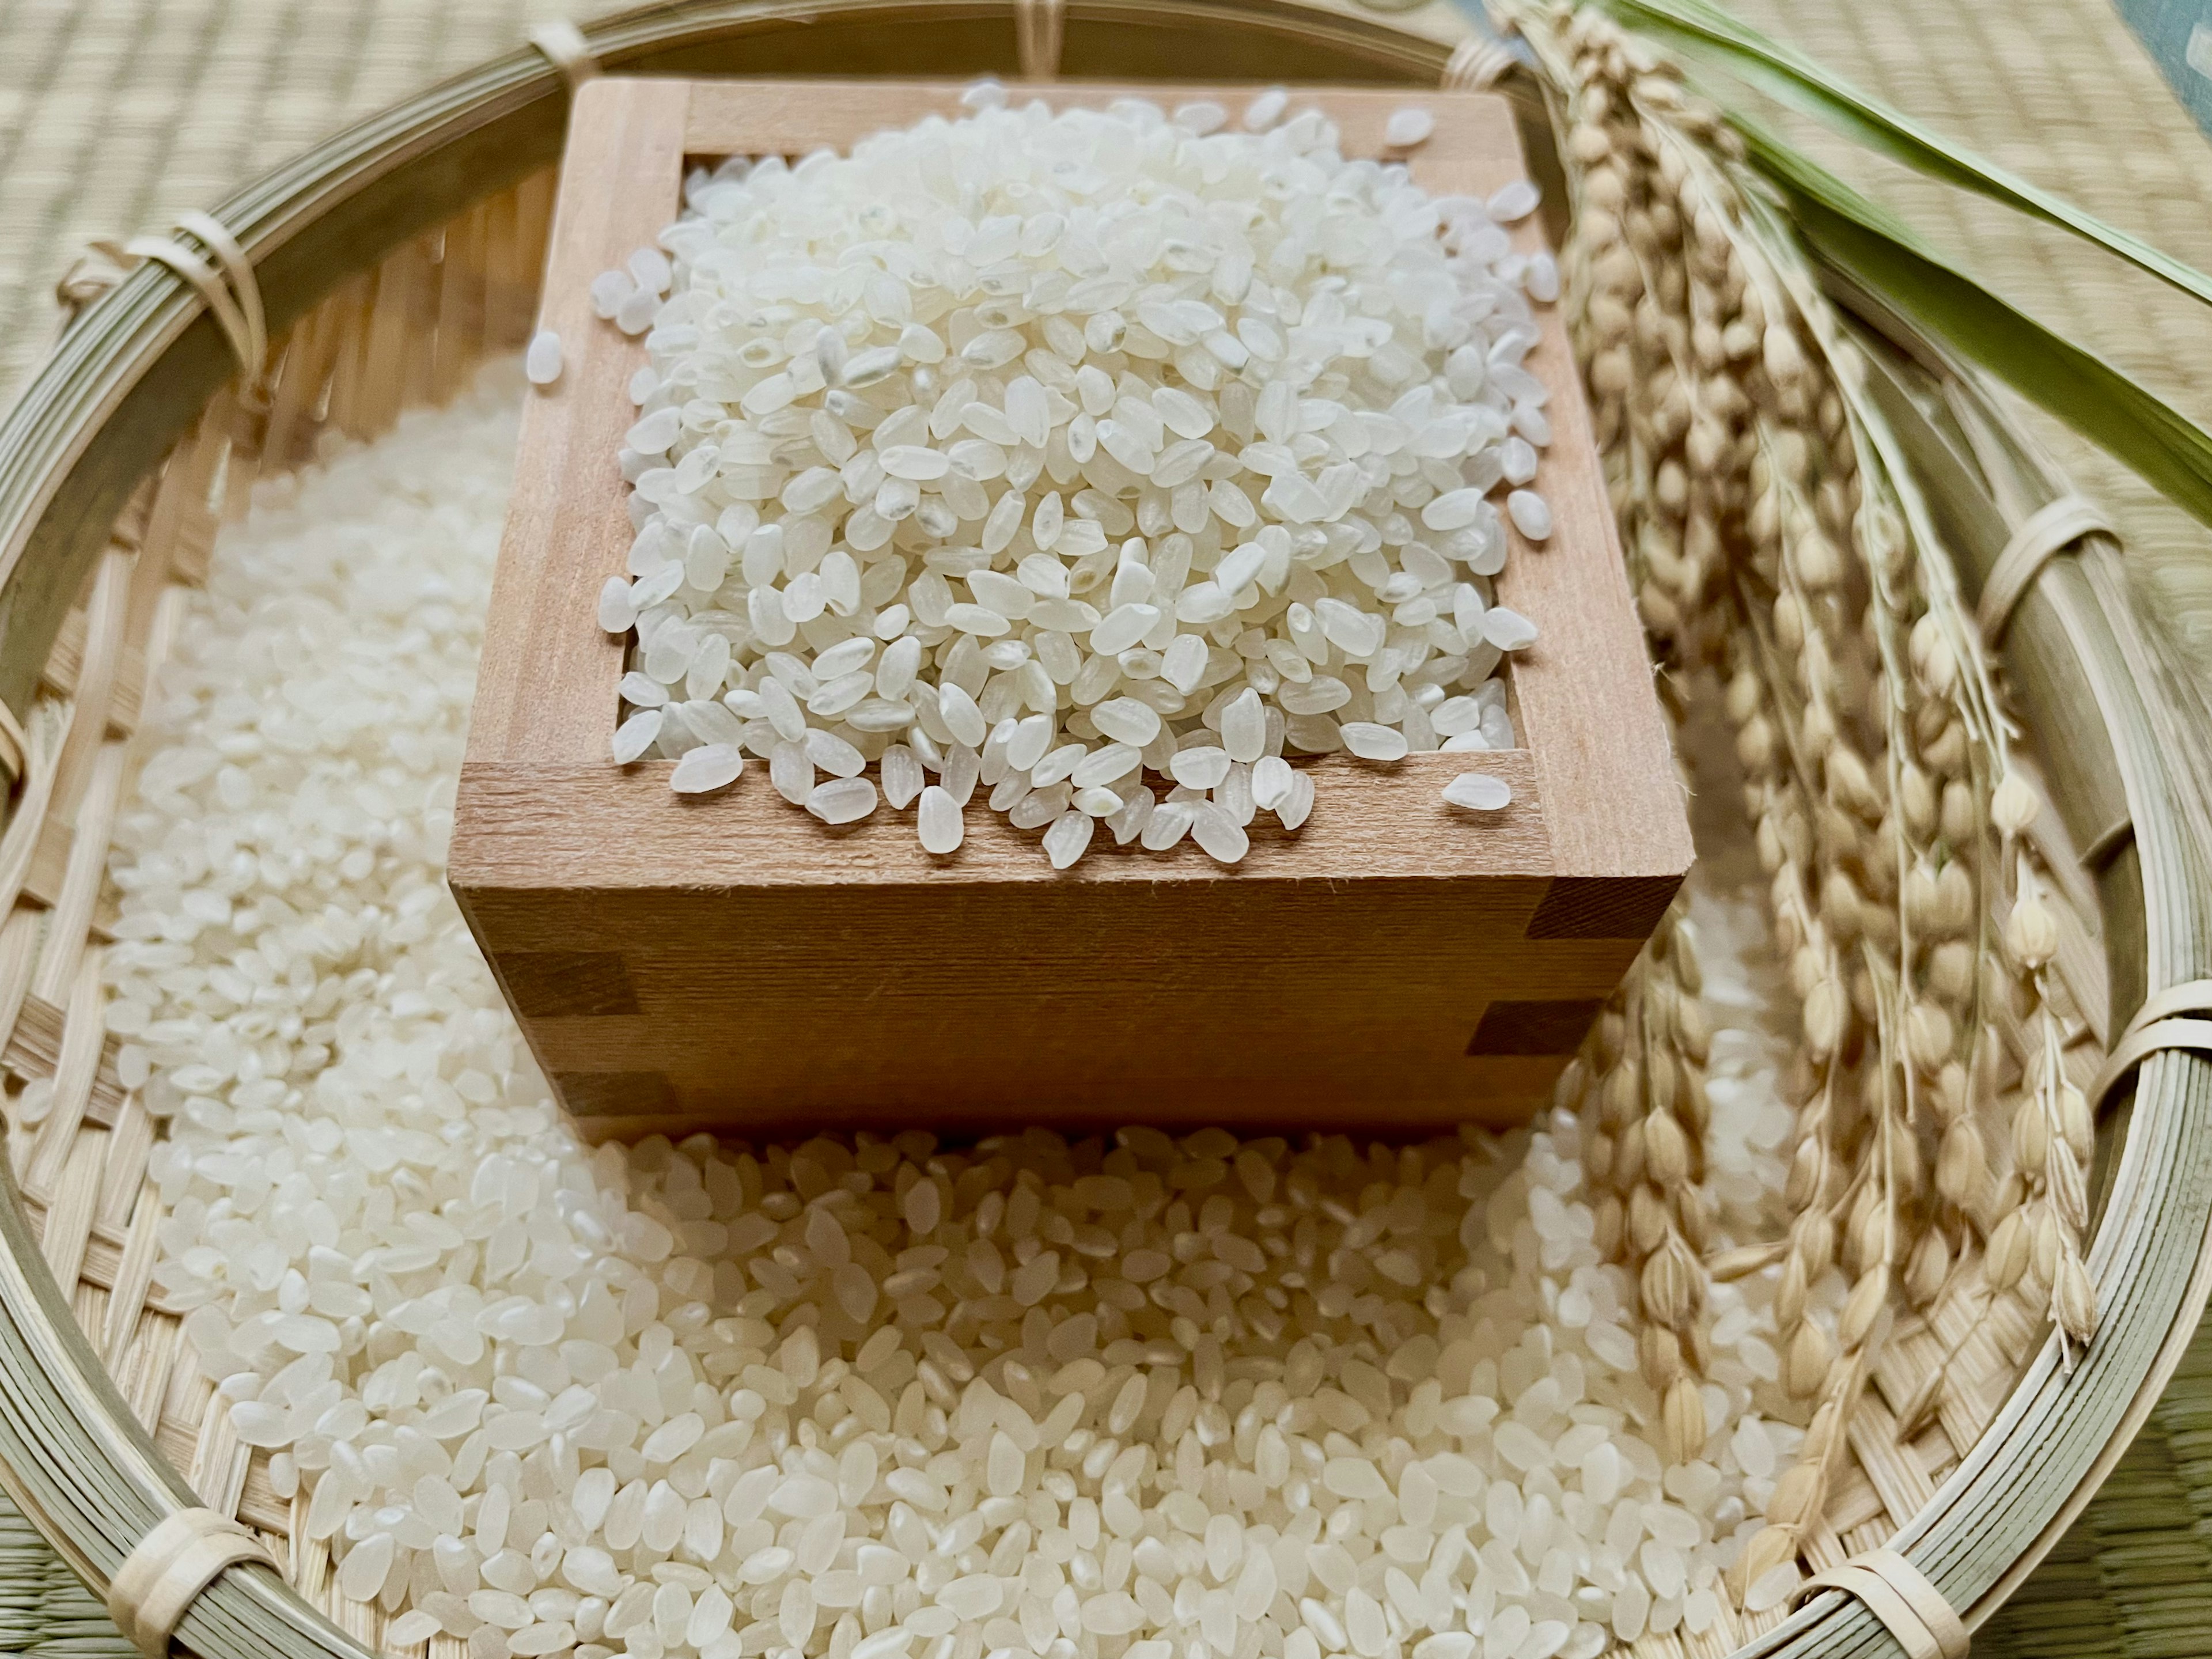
column 730, row 962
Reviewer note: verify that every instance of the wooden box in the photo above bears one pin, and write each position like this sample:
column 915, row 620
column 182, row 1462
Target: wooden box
column 731, row 961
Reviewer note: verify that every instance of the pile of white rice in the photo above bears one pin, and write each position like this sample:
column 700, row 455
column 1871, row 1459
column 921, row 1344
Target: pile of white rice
column 1138, row 1399
column 1049, row 454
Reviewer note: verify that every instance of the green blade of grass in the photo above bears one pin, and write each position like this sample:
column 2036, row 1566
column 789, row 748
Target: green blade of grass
column 1704, row 32
column 1873, row 248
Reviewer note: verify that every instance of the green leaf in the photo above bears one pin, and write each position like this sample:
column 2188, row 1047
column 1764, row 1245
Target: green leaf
column 1871, row 248
column 1705, row 32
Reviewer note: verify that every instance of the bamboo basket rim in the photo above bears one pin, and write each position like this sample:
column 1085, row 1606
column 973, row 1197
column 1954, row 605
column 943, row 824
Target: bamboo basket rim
column 139, row 365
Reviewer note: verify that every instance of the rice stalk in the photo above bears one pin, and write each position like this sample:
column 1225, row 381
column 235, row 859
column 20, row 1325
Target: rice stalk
column 1777, row 536
column 1645, row 1061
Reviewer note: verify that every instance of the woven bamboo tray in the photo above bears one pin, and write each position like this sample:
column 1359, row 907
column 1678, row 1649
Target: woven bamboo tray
column 401, row 253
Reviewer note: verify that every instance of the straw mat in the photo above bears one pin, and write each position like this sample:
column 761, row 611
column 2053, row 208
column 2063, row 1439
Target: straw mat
column 114, row 114
column 2060, row 92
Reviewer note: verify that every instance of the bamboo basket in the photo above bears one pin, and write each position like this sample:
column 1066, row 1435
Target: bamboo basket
column 395, row 258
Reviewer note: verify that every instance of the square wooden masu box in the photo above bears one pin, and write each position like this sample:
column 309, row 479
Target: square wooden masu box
column 730, row 962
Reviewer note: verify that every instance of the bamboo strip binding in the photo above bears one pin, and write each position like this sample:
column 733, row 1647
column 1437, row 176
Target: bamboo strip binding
column 1475, row 65
column 2049, row 531
column 227, row 287
column 1039, row 26
column 1910, row 1607
column 160, row 1580
column 565, row 48
column 2158, row 1025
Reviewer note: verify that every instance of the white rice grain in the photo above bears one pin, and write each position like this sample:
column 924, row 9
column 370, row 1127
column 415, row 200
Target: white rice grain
column 1531, row 514
column 710, row 767
column 940, row 825
column 842, row 800
column 1408, row 127
column 541, row 365
column 1479, row 791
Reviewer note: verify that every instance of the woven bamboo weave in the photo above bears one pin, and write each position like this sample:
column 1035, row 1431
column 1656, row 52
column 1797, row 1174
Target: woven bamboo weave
column 403, row 334
column 406, row 334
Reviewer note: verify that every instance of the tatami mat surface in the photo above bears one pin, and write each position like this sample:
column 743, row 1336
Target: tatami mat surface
column 2061, row 92
column 116, row 114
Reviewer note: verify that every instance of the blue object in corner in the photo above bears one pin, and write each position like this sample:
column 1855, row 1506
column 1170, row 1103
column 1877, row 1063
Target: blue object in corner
column 2178, row 34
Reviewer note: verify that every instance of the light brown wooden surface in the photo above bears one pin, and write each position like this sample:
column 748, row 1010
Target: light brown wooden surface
column 545, row 690
column 623, row 831
column 778, row 973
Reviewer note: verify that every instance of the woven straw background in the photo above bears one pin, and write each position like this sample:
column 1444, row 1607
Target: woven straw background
column 114, row 114
column 117, row 114
column 2060, row 92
